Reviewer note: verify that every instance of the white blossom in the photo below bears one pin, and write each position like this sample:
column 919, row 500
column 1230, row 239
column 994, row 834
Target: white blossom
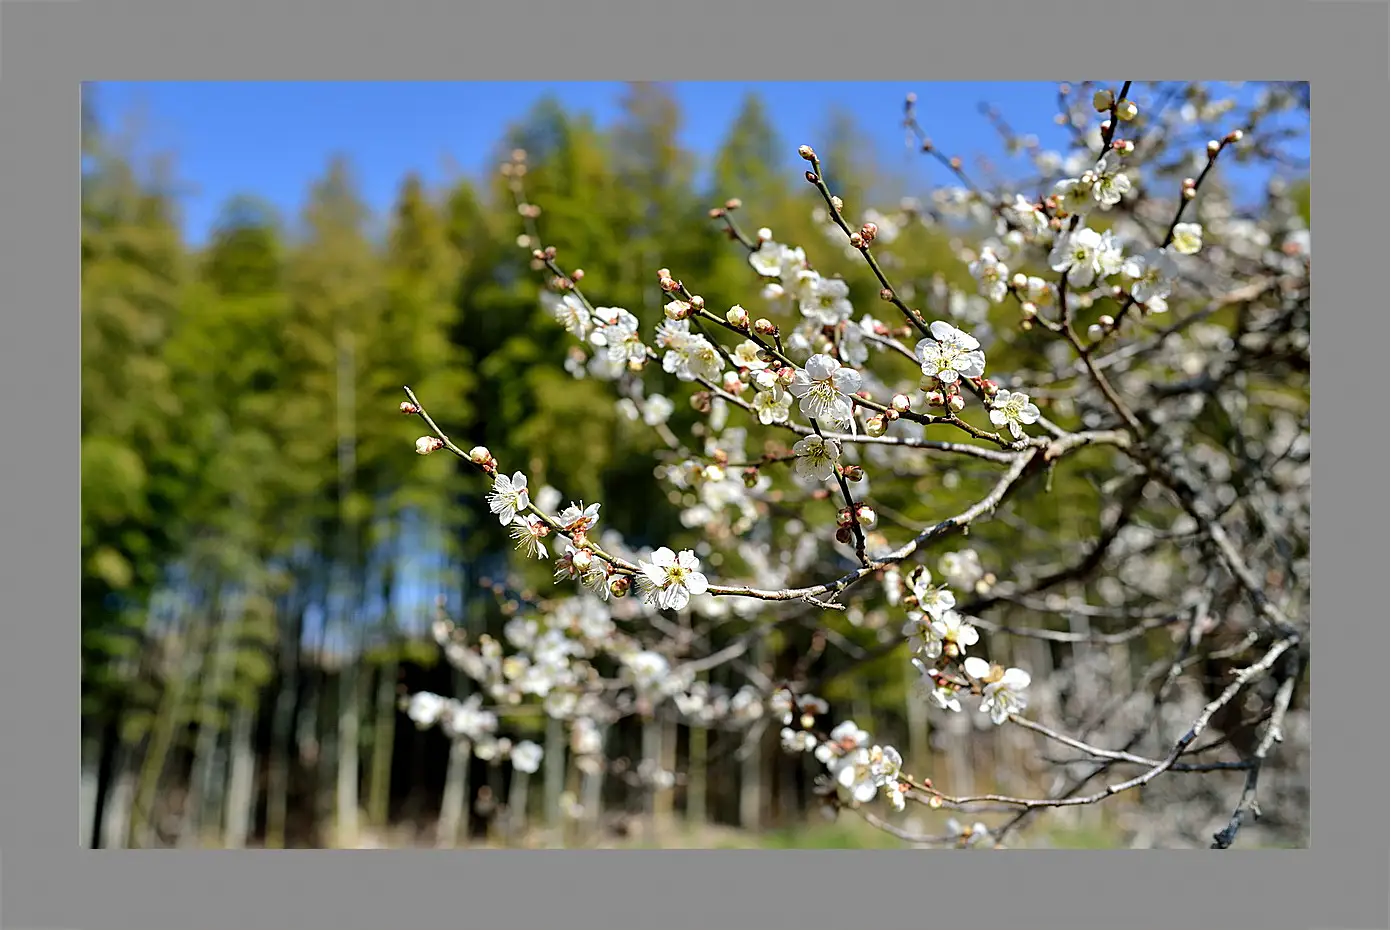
column 1014, row 410
column 816, row 457
column 950, row 354
column 508, row 497
column 526, row 756
column 670, row 580
column 827, row 301
column 824, row 387
column 1188, row 238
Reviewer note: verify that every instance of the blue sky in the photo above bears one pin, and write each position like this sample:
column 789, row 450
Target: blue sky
column 273, row 139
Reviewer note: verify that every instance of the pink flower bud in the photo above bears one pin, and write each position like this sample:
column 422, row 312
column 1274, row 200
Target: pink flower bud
column 427, row 444
column 408, row 407
column 956, row 401
column 902, row 403
column 875, row 426
column 738, row 317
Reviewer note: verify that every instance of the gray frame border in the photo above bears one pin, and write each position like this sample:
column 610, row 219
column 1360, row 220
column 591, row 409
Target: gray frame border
column 47, row 48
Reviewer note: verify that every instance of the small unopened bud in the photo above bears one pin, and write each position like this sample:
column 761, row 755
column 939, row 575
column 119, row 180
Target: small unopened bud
column 935, row 398
column 934, row 802
column 733, row 203
column 806, row 152
column 956, row 402
column 577, row 274
column 1213, row 147
column 582, row 559
column 549, row 253
column 427, row 444
column 479, row 455
column 875, row 426
column 1190, row 182
column 1020, row 280
column 853, row 473
column 1094, row 331
column 715, row 213
column 670, row 284
column 1234, row 136
column 677, row 310
column 619, row 585
column 408, row 407
column 843, row 535
column 843, row 517
column 663, row 272
column 1102, row 100
column 764, row 234
column 1127, row 110
column 857, row 241
column 885, row 294
column 811, row 177
column 764, row 326
column 955, row 162
column 1106, row 125
column 927, row 145
column 902, row 403
column 1055, row 224
column 869, row 231
column 866, row 516
column 808, row 721
column 1029, row 309
column 697, row 302
column 1106, row 320
column 890, row 415
column 1125, row 147
column 700, row 400
column 1189, row 193
column 837, row 204
column 911, row 98
column 1026, row 324
column 737, row 316
column 538, row 254
column 733, row 384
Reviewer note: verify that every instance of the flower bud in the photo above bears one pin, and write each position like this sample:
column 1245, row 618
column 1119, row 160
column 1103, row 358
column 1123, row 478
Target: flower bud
column 715, row 213
column 875, row 426
column 700, row 400
column 670, row 284
column 886, row 294
column 1106, row 125
column 1102, row 100
column 677, row 310
column 1094, row 331
column 935, row 398
column 1189, row 193
column 764, row 234
column 1213, row 147
column 1026, row 324
column 619, row 585
column 890, row 415
column 866, row 516
column 902, row 403
column 737, row 316
column 582, row 559
column 811, row 177
column 837, row 204
column 806, row 152
column 1029, row 309
column 408, row 407
column 1106, row 320
column 733, row 384
column 852, row 472
column 697, row 302
column 1234, row 136
column 733, row 203
column 1020, row 280
column 764, row 327
column 750, row 477
column 869, row 231
column 577, row 274
column 427, row 444
column 857, row 241
column 843, row 535
column 1126, row 147
column 1127, row 110
column 956, row 402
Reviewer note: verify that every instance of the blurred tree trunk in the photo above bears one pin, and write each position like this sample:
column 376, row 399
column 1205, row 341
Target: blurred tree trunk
column 282, row 731
column 554, row 785
column 454, row 808
column 241, row 781
column 209, row 731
